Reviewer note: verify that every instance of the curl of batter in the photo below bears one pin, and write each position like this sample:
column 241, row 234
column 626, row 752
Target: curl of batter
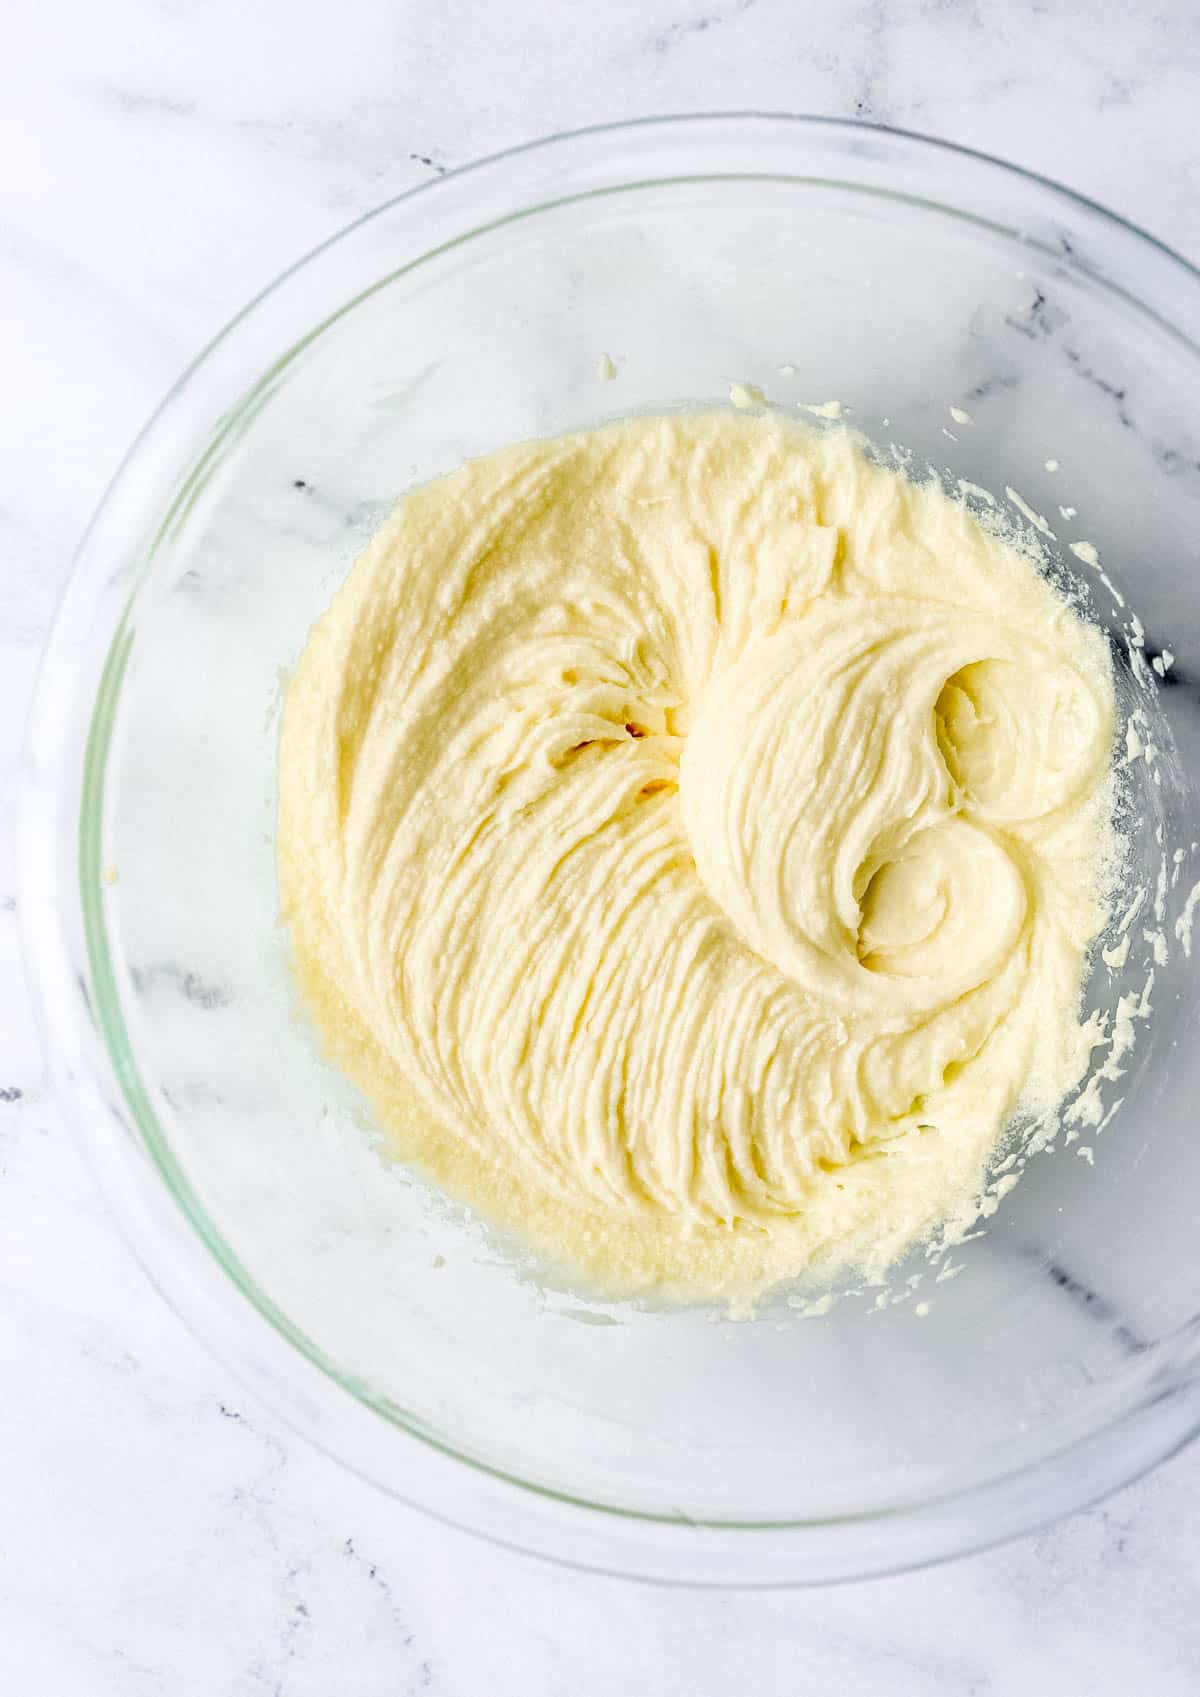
column 691, row 836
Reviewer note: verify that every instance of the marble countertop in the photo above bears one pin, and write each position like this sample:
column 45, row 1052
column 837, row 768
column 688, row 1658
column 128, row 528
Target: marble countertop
column 162, row 161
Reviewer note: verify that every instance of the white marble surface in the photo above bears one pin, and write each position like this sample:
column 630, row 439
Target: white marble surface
column 163, row 159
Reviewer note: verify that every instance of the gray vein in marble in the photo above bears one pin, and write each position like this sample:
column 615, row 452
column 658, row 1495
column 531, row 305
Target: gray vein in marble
column 383, row 1586
column 1039, row 318
column 135, row 103
column 675, row 33
column 1116, row 393
column 201, row 992
column 61, row 272
column 873, row 67
column 1096, row 1307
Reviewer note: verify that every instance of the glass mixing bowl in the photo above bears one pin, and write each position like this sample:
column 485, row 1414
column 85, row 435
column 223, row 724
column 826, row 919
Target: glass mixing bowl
column 1051, row 1357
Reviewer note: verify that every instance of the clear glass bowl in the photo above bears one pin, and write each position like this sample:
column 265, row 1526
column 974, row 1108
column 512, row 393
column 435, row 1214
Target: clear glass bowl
column 900, row 277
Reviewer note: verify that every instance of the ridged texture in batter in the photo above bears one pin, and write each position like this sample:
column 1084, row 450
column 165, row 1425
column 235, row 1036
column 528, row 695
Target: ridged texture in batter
column 691, row 835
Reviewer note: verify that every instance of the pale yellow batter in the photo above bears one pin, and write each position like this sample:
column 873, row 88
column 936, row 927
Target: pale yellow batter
column 691, row 836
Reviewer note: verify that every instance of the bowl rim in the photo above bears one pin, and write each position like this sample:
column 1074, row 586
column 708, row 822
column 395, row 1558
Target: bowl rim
column 94, row 1081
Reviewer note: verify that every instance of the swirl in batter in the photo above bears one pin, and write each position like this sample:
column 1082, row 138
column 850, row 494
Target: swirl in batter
column 691, row 837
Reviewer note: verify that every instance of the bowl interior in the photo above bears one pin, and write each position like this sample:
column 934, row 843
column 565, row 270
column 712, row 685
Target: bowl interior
column 900, row 304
